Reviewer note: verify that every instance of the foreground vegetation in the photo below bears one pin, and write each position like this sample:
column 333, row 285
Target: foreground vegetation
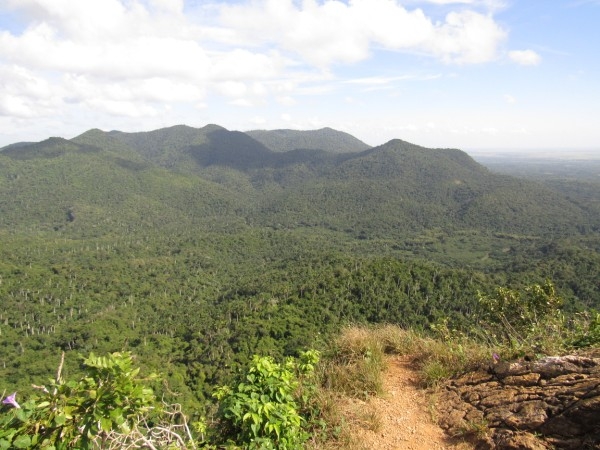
column 196, row 249
column 288, row 404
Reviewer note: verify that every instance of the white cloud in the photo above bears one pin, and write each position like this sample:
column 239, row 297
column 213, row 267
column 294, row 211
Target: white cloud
column 121, row 58
column 509, row 99
column 490, row 130
column 166, row 90
column 150, row 51
column 449, row 2
column 83, row 19
column 244, row 65
column 122, row 108
column 169, row 6
column 487, row 5
column 330, row 32
column 377, row 80
column 382, row 81
column 467, row 38
column 25, row 94
column 286, row 100
column 81, row 63
column 525, row 57
column 243, row 102
column 232, row 88
column 12, row 106
column 258, row 121
column 134, row 57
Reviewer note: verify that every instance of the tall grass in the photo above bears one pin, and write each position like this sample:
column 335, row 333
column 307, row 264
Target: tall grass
column 354, row 363
column 357, row 357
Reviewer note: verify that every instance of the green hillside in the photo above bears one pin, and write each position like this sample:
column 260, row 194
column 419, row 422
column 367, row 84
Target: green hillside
column 164, row 147
column 399, row 186
column 196, row 248
column 185, row 175
column 325, row 139
column 85, row 190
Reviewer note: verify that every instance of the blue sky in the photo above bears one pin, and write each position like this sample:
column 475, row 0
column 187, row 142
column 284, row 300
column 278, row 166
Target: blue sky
column 470, row 74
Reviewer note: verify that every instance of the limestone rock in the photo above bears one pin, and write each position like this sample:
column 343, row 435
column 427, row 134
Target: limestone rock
column 553, row 402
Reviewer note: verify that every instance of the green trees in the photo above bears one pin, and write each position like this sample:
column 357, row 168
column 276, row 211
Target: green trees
column 516, row 313
column 80, row 413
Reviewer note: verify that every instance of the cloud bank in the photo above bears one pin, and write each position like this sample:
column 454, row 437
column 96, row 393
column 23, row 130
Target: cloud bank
column 141, row 58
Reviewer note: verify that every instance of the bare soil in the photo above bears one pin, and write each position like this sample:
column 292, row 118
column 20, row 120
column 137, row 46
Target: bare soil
column 402, row 418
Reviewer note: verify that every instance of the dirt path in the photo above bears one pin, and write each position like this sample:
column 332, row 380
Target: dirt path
column 399, row 419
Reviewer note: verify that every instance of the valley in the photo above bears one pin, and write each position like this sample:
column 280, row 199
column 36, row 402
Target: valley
column 196, row 248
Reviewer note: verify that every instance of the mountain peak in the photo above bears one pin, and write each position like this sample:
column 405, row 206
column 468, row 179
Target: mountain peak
column 92, row 132
column 325, row 139
column 48, row 148
column 213, row 127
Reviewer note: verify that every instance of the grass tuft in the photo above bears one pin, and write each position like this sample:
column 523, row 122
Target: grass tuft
column 355, row 364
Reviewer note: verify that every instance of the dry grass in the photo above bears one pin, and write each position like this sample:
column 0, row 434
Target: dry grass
column 359, row 351
column 354, row 365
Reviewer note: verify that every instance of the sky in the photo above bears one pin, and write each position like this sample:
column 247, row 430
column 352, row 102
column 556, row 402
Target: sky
column 469, row 74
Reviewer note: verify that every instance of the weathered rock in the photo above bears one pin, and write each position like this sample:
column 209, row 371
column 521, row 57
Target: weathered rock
column 527, row 379
column 528, row 405
column 510, row 440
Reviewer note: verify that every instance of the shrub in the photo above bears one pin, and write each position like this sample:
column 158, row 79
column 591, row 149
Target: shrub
column 588, row 334
column 263, row 410
column 511, row 317
column 73, row 414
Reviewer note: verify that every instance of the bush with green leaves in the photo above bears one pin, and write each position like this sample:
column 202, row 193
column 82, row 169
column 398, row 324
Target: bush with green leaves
column 264, row 410
column 111, row 407
column 512, row 316
column 588, row 334
column 79, row 414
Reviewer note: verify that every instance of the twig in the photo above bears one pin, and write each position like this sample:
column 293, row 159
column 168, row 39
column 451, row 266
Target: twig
column 188, row 432
column 147, row 442
column 60, row 367
column 170, row 434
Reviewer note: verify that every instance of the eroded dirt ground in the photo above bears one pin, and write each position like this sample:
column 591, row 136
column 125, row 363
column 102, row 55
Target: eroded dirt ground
column 402, row 418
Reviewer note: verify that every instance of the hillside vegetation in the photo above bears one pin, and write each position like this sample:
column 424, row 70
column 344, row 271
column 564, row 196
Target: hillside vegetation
column 196, row 249
column 325, row 139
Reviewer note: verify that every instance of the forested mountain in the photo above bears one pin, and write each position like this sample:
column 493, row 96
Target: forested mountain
column 196, row 248
column 403, row 186
column 325, row 139
column 185, row 174
column 82, row 189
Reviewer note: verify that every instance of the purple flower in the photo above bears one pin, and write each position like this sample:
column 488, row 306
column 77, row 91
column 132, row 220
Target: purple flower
column 10, row 400
column 495, row 357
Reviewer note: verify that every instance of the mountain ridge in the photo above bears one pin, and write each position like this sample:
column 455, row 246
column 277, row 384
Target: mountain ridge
column 379, row 190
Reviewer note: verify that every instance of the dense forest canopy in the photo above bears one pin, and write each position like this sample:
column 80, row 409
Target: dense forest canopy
column 197, row 248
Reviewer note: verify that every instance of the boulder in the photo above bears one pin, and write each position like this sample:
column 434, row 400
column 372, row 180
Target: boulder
column 553, row 402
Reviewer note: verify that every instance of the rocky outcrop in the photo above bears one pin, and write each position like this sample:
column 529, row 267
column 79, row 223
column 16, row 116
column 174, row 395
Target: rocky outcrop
column 553, row 402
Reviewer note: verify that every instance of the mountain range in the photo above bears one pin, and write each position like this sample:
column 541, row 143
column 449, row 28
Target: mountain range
column 196, row 248
column 185, row 176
